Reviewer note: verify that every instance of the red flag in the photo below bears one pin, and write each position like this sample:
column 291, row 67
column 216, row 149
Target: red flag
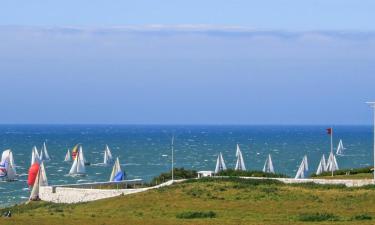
column 329, row 131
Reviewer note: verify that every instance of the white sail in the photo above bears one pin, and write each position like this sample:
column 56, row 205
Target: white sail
column 78, row 167
column 73, row 169
column 40, row 180
column 220, row 164
column 43, row 176
column 268, row 165
column 340, row 148
column 108, row 158
column 240, row 164
column 35, row 156
column 44, row 153
column 7, row 162
column 115, row 170
column 68, row 157
column 322, row 167
column 303, row 168
column 34, row 196
column 332, row 163
column 81, row 162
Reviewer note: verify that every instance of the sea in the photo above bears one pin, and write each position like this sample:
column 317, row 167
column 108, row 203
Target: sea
column 145, row 150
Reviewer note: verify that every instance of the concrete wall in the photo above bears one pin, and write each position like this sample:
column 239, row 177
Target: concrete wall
column 74, row 195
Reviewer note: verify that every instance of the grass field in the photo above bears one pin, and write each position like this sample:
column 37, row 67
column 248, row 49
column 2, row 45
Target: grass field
column 214, row 201
column 350, row 176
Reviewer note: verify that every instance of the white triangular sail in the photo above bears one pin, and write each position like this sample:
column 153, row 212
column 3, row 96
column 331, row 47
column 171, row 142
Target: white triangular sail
column 44, row 153
column 7, row 163
column 35, row 156
column 40, row 180
column 78, row 166
column 332, row 163
column 220, row 164
column 240, row 164
column 43, row 176
column 340, row 148
column 322, row 167
column 34, row 196
column 68, row 157
column 303, row 168
column 108, row 158
column 115, row 170
column 268, row 165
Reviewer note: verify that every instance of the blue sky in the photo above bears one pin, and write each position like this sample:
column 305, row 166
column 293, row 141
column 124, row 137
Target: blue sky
column 264, row 14
column 201, row 62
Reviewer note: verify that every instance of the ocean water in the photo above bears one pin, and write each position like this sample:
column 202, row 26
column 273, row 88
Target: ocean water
column 144, row 151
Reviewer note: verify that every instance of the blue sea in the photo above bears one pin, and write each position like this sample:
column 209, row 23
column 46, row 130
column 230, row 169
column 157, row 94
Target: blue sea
column 145, row 151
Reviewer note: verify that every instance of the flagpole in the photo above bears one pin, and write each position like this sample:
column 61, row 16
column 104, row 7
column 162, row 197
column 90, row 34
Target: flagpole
column 372, row 105
column 172, row 159
column 332, row 148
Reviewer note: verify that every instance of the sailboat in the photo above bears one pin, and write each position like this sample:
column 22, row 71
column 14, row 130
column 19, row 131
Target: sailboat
column 340, row 148
column 44, row 156
column 7, row 166
column 75, row 151
column 322, row 167
column 78, row 166
column 68, row 158
column 240, row 164
column 107, row 156
column 268, row 165
column 40, row 180
column 303, row 168
column 117, row 174
column 35, row 156
column 220, row 164
column 332, row 163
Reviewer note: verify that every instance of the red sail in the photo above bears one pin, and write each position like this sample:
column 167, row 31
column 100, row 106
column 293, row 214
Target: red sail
column 33, row 172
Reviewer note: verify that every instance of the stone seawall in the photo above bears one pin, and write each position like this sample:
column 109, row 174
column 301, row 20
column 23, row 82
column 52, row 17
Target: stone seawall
column 65, row 194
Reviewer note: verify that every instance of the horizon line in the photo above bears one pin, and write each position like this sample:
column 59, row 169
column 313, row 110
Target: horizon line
column 181, row 124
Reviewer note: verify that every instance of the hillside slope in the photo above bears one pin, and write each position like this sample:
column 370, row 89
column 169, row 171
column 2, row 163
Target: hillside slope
column 213, row 201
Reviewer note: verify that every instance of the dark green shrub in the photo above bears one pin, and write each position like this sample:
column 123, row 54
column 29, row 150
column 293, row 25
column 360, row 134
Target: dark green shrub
column 362, row 217
column 253, row 173
column 318, row 217
column 179, row 173
column 196, row 215
column 352, row 171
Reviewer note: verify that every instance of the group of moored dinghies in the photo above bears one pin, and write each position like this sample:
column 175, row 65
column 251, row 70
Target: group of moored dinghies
column 37, row 175
column 324, row 166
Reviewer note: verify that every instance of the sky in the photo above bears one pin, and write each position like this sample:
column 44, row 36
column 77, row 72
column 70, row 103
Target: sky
column 194, row 62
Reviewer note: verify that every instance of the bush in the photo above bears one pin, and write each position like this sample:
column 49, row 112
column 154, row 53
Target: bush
column 362, row 217
column 346, row 171
column 253, row 173
column 238, row 182
column 179, row 173
column 196, row 215
column 318, row 217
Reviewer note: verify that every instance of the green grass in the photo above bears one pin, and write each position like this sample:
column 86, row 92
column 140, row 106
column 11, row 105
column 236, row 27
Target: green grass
column 213, row 201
